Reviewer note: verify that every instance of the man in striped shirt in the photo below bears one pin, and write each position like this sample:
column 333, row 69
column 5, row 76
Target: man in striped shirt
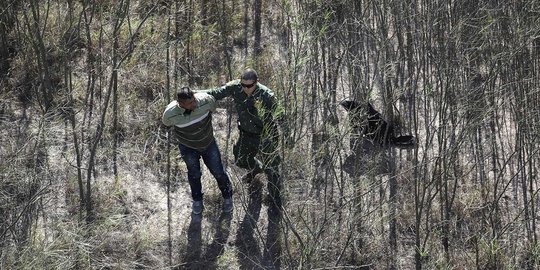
column 190, row 115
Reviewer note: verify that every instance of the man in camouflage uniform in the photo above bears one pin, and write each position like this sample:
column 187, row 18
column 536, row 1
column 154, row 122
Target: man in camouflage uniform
column 257, row 146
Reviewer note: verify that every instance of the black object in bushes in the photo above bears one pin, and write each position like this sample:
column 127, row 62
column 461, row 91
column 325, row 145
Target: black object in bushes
column 368, row 122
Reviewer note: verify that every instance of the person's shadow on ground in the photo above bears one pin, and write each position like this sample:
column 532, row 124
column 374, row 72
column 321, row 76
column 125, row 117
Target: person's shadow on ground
column 193, row 258
column 217, row 247
column 272, row 254
column 250, row 255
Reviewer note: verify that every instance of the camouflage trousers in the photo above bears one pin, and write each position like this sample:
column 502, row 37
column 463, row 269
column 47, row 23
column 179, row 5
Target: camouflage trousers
column 258, row 154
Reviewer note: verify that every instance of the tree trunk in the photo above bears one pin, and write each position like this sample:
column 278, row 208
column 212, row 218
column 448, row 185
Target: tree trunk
column 118, row 21
column 257, row 24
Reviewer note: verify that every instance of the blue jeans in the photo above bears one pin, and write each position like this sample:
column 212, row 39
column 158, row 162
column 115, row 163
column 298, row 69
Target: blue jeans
column 212, row 158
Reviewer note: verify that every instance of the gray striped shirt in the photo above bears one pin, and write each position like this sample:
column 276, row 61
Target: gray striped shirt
column 193, row 130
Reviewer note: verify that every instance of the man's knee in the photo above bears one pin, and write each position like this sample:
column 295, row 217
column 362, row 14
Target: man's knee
column 194, row 174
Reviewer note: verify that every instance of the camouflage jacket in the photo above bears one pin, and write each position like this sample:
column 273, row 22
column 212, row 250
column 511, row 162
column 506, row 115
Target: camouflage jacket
column 257, row 112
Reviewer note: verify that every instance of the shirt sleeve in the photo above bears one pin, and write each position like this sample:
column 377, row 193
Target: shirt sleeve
column 208, row 101
column 269, row 102
column 272, row 105
column 212, row 101
column 171, row 114
column 275, row 110
column 223, row 91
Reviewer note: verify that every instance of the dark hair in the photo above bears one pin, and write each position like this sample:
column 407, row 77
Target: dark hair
column 184, row 93
column 249, row 74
